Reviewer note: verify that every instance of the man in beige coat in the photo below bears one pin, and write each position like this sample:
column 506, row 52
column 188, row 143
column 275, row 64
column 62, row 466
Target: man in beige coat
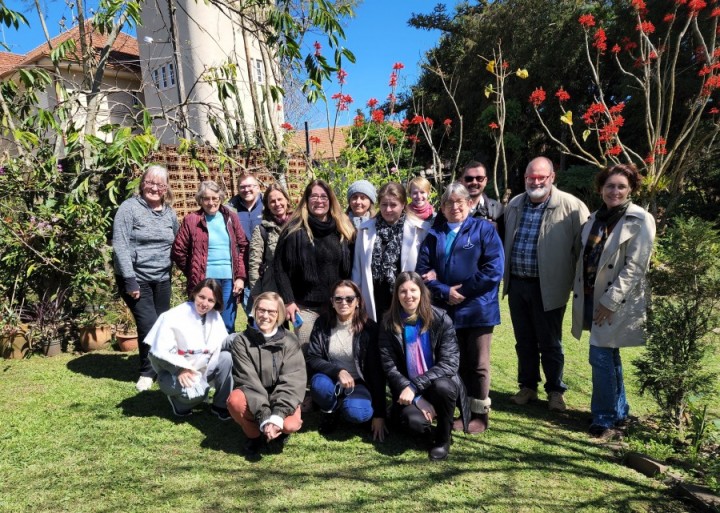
column 542, row 244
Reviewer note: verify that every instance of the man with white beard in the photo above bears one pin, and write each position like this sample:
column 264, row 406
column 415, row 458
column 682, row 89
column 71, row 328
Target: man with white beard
column 542, row 245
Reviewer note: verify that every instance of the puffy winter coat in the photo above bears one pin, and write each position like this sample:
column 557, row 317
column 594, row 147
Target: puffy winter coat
column 190, row 249
column 261, row 276
column 620, row 284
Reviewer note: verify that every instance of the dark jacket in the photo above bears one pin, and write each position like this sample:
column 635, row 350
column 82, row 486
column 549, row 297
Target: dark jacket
column 271, row 373
column 261, row 275
column 190, row 249
column 306, row 271
column 367, row 360
column 446, row 355
column 476, row 261
column 249, row 219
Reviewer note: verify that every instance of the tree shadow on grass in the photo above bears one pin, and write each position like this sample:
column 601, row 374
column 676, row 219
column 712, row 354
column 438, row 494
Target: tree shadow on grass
column 116, row 366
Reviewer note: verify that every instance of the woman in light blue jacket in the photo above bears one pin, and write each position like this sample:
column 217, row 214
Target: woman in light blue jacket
column 610, row 288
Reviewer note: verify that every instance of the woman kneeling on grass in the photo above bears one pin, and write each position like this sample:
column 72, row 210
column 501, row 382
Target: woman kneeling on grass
column 186, row 352
column 420, row 356
column 270, row 377
column 343, row 354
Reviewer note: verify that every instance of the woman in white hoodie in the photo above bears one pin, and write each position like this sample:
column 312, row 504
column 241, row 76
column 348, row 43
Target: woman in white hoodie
column 186, row 352
column 385, row 246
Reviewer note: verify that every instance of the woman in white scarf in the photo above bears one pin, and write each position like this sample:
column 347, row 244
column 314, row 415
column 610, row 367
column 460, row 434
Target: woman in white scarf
column 186, row 352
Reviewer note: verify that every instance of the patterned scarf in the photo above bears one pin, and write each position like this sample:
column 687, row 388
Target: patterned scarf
column 418, row 351
column 386, row 250
column 605, row 221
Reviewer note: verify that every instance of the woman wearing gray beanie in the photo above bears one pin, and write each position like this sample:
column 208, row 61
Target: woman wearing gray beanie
column 361, row 196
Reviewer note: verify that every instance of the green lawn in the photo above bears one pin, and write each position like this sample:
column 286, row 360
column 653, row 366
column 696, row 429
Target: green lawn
column 77, row 437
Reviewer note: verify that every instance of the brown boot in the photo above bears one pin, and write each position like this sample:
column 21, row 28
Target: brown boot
column 458, row 425
column 479, row 422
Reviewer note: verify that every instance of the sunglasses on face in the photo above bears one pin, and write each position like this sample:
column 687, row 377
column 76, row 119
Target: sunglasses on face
column 338, row 300
column 471, row 179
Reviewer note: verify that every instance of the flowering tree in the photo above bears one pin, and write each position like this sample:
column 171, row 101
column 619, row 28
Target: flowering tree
column 500, row 69
column 672, row 75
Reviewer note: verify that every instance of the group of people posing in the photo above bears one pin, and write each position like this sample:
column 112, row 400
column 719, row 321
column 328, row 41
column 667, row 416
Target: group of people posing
column 387, row 292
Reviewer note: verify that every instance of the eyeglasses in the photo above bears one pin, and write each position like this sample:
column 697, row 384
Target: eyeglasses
column 471, row 179
column 319, row 197
column 209, row 199
column 536, row 178
column 338, row 300
column 265, row 311
column 158, row 186
column 245, row 187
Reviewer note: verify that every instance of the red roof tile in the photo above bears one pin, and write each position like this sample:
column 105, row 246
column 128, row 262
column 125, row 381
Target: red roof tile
column 320, row 150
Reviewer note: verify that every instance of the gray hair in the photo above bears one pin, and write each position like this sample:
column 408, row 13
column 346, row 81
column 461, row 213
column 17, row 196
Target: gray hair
column 209, row 185
column 454, row 189
column 156, row 170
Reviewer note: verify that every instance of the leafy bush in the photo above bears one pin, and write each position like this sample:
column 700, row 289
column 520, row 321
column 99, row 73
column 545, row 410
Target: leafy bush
column 686, row 286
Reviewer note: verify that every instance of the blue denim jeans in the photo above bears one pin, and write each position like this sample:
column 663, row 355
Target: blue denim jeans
column 355, row 405
column 229, row 312
column 608, row 404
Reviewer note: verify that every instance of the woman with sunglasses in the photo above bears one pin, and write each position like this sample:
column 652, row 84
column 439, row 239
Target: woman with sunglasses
column 269, row 375
column 420, row 357
column 386, row 245
column 143, row 233
column 212, row 244
column 348, row 380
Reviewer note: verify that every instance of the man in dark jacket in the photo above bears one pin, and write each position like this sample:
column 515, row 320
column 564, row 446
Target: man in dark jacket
column 474, row 178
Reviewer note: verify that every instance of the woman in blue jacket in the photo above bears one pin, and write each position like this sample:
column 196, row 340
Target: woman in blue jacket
column 461, row 261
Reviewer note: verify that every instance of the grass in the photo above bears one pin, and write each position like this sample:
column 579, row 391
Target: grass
column 77, row 437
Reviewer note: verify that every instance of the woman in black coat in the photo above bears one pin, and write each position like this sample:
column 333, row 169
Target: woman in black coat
column 420, row 356
column 343, row 356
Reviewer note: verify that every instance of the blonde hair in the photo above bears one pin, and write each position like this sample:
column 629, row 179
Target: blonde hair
column 159, row 171
column 299, row 218
column 271, row 296
column 421, row 183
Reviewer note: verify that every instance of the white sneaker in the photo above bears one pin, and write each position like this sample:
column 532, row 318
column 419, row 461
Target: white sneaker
column 144, row 383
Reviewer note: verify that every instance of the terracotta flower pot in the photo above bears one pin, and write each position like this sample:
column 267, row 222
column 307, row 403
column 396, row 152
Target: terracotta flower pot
column 15, row 344
column 93, row 338
column 126, row 342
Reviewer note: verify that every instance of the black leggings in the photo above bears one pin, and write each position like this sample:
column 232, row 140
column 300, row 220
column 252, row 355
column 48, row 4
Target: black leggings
column 442, row 394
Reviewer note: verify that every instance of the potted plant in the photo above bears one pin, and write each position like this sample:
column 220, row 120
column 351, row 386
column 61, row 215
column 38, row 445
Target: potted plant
column 14, row 334
column 126, row 337
column 48, row 322
column 95, row 328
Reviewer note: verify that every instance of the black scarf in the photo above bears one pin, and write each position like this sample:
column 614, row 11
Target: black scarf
column 605, row 221
column 322, row 228
column 386, row 250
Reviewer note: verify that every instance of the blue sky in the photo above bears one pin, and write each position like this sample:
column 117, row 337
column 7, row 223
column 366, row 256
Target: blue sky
column 378, row 35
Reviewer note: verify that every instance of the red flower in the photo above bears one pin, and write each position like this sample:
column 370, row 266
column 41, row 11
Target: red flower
column 617, row 109
column 447, row 122
column 417, row 119
column 660, row 148
column 314, row 139
column 393, row 79
column 592, row 113
column 628, row 44
column 715, row 12
column 600, row 40
column 711, row 84
column 341, row 74
column 372, row 102
column 287, row 126
column 398, row 66
column 405, row 125
column 696, row 6
column 639, row 5
column 649, row 159
column 343, row 100
column 359, row 120
column 714, row 111
column 652, row 55
column 413, row 139
column 318, row 47
column 587, row 21
column 537, row 97
column 378, row 116
column 505, row 65
column 668, row 18
column 615, row 48
column 562, row 95
column 494, row 126
column 391, row 98
column 429, row 122
column 705, row 70
column 614, row 151
column 646, row 26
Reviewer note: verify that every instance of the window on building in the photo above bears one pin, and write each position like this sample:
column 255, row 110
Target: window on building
column 155, row 78
column 259, row 71
column 163, row 73
column 171, row 73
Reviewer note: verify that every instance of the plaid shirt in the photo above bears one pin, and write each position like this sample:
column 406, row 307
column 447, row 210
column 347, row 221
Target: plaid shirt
column 523, row 259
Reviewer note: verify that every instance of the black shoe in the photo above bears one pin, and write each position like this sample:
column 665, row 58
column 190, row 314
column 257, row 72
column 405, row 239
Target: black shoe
column 328, row 424
column 252, row 446
column 221, row 413
column 177, row 411
column 277, row 446
column 440, row 452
